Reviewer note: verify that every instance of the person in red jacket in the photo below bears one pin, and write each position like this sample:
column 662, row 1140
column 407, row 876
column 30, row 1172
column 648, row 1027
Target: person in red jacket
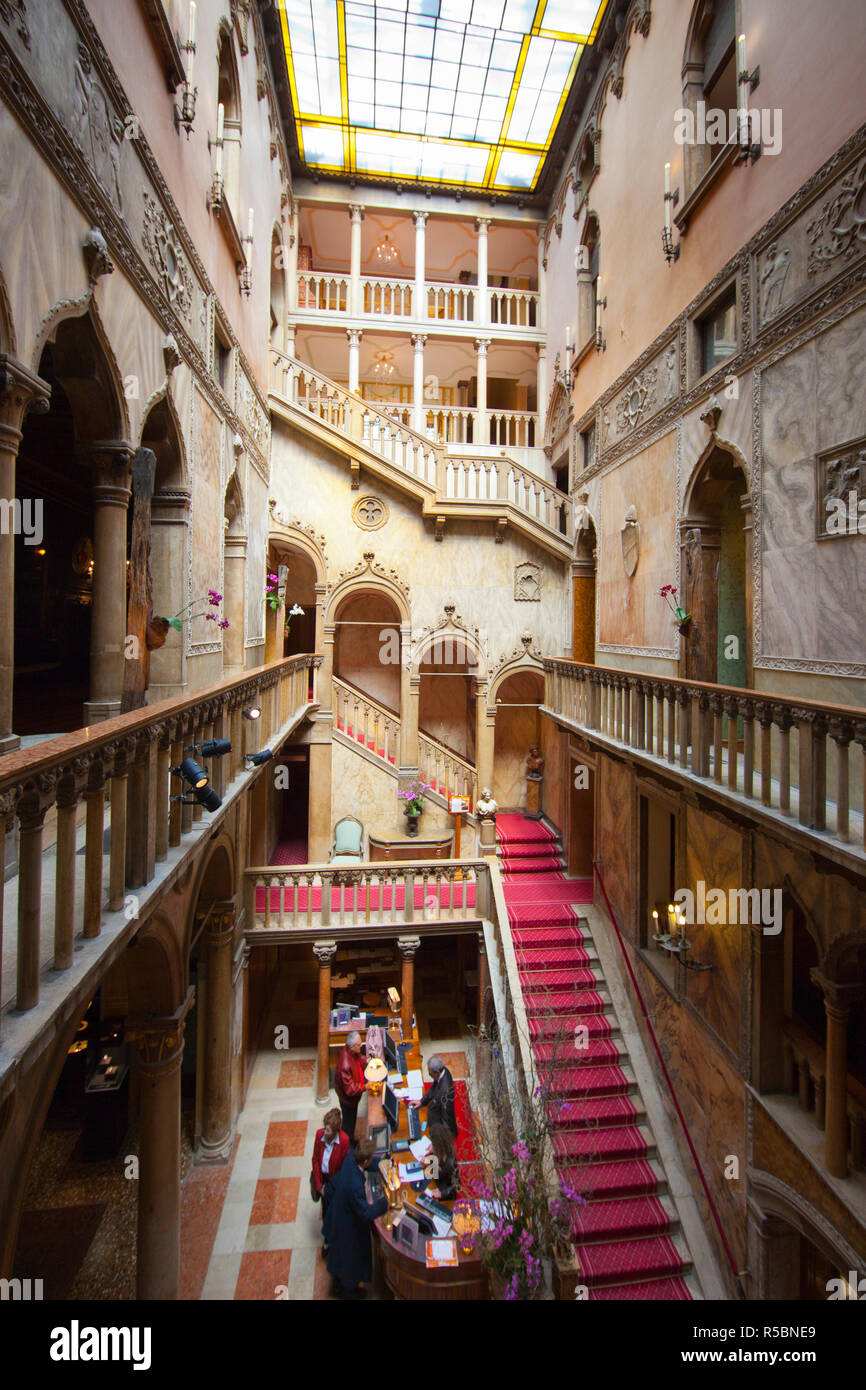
column 329, row 1149
column 349, row 1082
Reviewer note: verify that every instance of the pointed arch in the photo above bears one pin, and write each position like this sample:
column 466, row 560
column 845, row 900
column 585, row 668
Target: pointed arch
column 86, row 365
column 369, row 578
column 234, row 511
column 161, row 431
column 7, row 324
column 294, row 535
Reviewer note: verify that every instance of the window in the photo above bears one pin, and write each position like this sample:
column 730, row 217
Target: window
column 228, row 96
column 710, row 78
column 587, row 440
column 222, row 361
column 587, row 282
column 718, row 332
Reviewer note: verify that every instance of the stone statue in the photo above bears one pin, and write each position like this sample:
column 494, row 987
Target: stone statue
column 485, row 805
column 535, row 763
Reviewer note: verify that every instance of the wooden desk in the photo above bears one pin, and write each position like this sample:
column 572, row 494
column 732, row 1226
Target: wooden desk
column 410, row 847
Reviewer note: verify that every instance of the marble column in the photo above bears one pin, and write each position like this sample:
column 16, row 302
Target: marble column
column 354, row 336
column 541, row 317
column 356, row 304
column 169, row 519
column 292, row 271
column 160, row 1052
column 418, row 411
column 838, row 999
column 485, row 733
column 419, row 304
column 410, row 697
column 407, row 946
column 234, row 566
column 216, row 1136
column 482, row 298
column 112, row 471
column 324, row 687
column 541, row 390
column 482, row 430
column 324, row 951
column 19, row 389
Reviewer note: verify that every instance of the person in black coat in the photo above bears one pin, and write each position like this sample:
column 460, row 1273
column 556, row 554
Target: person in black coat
column 347, row 1224
column 446, row 1168
column 439, row 1100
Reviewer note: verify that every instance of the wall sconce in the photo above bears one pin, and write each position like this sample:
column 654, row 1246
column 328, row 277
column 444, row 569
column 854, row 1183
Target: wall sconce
column 672, row 253
column 185, row 114
column 215, row 197
column 246, row 275
column 674, row 939
column 749, row 150
column 600, row 344
column 560, row 377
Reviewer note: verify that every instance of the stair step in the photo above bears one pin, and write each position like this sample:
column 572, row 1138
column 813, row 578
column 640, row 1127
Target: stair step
column 629, row 1139
column 668, row 1290
column 590, row 1001
column 627, row 1177
column 563, row 1053
column 573, row 1084
column 554, row 957
column 570, row 937
column 619, row 1261
column 622, row 1218
column 562, row 1026
column 558, row 980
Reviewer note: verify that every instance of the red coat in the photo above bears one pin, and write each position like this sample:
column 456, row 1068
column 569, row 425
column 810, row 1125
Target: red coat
column 349, row 1080
column 338, row 1153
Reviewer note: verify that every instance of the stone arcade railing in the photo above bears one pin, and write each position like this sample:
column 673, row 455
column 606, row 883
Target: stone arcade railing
column 806, row 1077
column 366, row 722
column 498, row 481
column 790, row 756
column 125, row 760
column 312, row 898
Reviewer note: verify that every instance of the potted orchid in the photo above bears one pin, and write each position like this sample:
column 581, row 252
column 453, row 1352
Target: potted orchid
column 681, row 617
column 272, row 599
column 212, row 601
column 413, row 795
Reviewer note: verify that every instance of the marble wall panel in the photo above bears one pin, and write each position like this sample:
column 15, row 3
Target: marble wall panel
column 257, row 544
column 207, row 512
column 713, row 854
column 359, row 788
column 516, row 730
column 614, row 836
column 555, row 779
column 630, row 611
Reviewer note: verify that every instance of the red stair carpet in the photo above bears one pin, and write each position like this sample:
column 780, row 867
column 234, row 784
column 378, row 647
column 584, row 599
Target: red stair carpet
column 622, row 1235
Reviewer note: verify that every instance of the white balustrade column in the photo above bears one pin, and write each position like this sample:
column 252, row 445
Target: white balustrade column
column 541, row 408
column 292, row 262
column 418, row 341
column 541, row 312
column 419, row 306
column 356, row 213
column 482, row 316
column 354, row 336
column 481, row 424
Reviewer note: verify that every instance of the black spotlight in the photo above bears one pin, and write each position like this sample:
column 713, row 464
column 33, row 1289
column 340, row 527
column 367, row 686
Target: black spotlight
column 251, row 713
column 190, row 771
column 214, row 747
column 208, row 798
column 257, row 759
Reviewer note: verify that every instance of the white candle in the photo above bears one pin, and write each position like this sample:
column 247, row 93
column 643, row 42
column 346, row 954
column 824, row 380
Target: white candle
column 250, row 226
column 667, row 197
column 568, row 339
column 191, row 44
column 219, row 140
column 741, row 57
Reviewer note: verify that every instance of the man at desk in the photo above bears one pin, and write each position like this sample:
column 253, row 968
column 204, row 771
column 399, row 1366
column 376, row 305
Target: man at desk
column 439, row 1099
column 349, row 1082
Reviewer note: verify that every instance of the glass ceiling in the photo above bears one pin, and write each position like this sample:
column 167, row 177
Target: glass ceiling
column 462, row 92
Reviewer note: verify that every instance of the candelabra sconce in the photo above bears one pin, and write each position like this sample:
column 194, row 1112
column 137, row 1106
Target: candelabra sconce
column 748, row 149
column 600, row 344
column 246, row 274
column 671, row 249
column 216, row 194
column 217, row 185
column 674, row 940
column 561, row 376
column 184, row 115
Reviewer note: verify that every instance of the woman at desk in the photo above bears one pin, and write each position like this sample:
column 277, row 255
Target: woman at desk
column 447, row 1183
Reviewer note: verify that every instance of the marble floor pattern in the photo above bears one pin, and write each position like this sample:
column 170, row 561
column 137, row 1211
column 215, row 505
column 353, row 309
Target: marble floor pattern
column 268, row 1239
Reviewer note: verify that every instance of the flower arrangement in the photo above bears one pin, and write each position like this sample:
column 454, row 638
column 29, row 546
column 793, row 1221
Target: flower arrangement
column 669, row 593
column 272, row 599
column 413, row 795
column 213, row 600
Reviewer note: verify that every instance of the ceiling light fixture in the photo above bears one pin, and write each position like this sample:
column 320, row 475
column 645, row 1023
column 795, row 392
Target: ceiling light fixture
column 386, row 250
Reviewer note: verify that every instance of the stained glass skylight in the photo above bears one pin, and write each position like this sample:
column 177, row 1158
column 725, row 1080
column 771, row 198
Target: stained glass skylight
column 462, row 92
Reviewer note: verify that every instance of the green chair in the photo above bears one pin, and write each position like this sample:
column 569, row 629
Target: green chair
column 348, row 846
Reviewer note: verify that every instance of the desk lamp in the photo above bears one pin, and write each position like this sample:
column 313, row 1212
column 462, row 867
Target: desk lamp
column 375, row 1074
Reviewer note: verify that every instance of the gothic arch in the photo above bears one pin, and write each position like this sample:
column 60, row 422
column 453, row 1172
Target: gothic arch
column 725, row 446
column 234, row 510
column 7, row 324
column 214, row 882
column 77, row 334
column 296, row 537
column 161, row 431
column 368, row 577
column 516, row 665
column 776, row 1198
column 450, row 629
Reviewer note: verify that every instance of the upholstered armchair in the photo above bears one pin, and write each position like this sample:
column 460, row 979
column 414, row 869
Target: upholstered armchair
column 348, row 846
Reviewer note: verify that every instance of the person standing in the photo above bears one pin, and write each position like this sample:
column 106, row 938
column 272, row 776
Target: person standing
column 446, row 1184
column 348, row 1222
column 349, row 1082
column 329, row 1150
column 439, row 1100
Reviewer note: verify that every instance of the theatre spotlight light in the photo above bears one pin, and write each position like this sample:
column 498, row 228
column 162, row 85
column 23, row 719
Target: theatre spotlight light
column 208, row 798
column 256, row 759
column 214, row 747
column 190, row 771
column 251, row 713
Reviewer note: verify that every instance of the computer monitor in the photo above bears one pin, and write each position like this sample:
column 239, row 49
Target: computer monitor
column 391, row 1056
column 392, row 1108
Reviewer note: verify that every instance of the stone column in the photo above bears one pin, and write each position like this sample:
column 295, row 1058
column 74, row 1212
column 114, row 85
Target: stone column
column 292, row 271
column 324, row 951
column 407, row 946
column 541, row 390
column 320, row 827
column 485, row 733
column 326, row 671
column 838, row 999
column 160, row 1051
column 419, row 304
column 354, row 336
column 482, row 317
column 19, row 389
column 418, row 412
column 169, row 515
column 234, row 565
column 583, row 619
column 112, row 471
column 410, row 696
column 31, row 818
column 749, row 540
column 482, row 431
column 216, row 1136
column 483, row 977
column 356, row 305
column 541, row 317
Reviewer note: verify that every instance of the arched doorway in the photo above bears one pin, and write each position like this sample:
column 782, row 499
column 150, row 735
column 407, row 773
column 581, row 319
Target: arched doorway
column 716, row 572
column 72, row 483
column 367, row 647
column 298, row 631
column 518, row 727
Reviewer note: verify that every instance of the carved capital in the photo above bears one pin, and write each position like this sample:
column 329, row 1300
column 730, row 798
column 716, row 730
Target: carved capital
column 170, row 354
column 324, row 951
column 19, row 390
column 408, row 945
column 111, row 470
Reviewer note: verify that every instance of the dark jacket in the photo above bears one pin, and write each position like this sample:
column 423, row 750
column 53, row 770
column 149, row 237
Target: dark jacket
column 448, row 1181
column 347, row 1226
column 338, row 1154
column 349, row 1080
column 440, row 1102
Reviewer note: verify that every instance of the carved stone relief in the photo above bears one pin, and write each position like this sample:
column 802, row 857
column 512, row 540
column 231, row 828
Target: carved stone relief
column 96, row 129
column 838, row 234
column 774, row 272
column 647, row 392
column 15, row 12
column 167, row 257
column 370, row 513
column 527, row 583
column 840, row 487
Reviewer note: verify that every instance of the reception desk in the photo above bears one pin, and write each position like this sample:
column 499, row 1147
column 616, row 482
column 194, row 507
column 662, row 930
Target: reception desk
column 407, row 848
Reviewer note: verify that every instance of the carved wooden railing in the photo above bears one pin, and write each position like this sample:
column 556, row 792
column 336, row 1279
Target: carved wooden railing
column 806, row 1078
column 381, row 429
column 792, row 756
column 311, row 896
column 126, row 759
column 446, row 772
column 363, row 719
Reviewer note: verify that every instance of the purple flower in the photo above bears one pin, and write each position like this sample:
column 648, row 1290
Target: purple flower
column 520, row 1150
column 214, row 598
column 224, row 623
column 210, row 617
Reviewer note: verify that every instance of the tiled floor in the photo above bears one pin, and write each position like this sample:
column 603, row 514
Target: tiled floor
column 268, row 1238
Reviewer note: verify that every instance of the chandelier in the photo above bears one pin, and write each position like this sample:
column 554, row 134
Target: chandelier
column 386, row 250
column 384, row 364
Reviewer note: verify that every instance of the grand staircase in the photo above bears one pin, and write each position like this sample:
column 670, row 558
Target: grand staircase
column 626, row 1232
